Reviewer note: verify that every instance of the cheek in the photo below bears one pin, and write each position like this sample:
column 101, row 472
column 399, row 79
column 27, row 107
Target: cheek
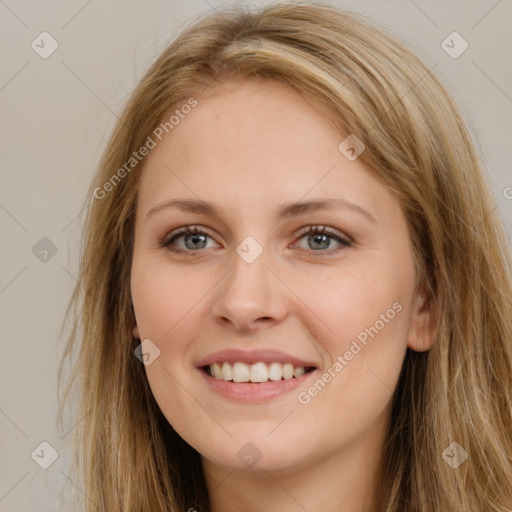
column 167, row 305
column 366, row 309
column 163, row 298
column 170, row 307
column 368, row 316
column 349, row 301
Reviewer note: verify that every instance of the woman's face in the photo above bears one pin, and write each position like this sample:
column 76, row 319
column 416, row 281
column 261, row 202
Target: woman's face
column 261, row 296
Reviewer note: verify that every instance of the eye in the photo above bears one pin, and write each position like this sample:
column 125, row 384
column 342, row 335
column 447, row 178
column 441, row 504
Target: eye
column 194, row 237
column 320, row 237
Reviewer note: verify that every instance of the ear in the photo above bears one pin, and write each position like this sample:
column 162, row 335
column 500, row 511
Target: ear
column 136, row 332
column 423, row 324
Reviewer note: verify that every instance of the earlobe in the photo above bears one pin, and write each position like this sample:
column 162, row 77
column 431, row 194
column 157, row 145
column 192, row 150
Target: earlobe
column 423, row 327
column 136, row 333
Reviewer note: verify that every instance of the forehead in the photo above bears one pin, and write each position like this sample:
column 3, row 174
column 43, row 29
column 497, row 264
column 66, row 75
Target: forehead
column 256, row 140
column 253, row 118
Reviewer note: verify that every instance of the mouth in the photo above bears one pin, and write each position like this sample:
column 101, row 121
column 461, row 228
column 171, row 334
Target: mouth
column 257, row 373
column 256, row 383
column 255, row 376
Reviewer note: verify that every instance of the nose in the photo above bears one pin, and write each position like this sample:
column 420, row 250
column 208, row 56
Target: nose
column 250, row 297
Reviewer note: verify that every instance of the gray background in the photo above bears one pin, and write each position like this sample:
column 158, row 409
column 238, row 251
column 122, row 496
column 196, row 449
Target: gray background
column 55, row 116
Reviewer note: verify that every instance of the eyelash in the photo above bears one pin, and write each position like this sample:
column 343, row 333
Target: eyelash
column 168, row 239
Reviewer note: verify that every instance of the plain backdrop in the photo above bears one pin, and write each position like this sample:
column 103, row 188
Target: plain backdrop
column 56, row 114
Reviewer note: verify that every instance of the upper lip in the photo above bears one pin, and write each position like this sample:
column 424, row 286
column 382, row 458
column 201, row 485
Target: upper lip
column 252, row 357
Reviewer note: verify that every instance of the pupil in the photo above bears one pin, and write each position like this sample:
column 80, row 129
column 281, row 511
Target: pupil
column 195, row 237
column 325, row 240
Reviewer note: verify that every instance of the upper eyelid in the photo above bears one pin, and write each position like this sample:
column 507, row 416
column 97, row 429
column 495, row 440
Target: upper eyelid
column 191, row 228
column 185, row 230
column 195, row 228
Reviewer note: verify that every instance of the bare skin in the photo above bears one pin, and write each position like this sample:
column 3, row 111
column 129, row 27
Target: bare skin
column 247, row 149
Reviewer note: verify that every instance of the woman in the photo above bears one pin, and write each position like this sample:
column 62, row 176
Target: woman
column 340, row 337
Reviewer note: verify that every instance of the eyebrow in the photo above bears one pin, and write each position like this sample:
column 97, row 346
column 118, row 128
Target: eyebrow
column 285, row 210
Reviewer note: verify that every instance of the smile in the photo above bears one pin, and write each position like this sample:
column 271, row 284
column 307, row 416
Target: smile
column 256, row 373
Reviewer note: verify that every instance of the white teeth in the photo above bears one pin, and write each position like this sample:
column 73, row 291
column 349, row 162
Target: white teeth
column 258, row 372
column 275, row 371
column 216, row 370
column 300, row 370
column 227, row 371
column 287, row 371
column 241, row 372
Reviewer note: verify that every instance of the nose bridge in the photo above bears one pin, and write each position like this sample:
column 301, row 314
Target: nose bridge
column 249, row 275
column 250, row 291
column 250, row 267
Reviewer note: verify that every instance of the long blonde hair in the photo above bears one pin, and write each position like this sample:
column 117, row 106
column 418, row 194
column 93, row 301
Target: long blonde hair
column 368, row 84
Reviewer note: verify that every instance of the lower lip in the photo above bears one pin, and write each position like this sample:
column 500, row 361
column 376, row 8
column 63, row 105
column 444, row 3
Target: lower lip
column 250, row 392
